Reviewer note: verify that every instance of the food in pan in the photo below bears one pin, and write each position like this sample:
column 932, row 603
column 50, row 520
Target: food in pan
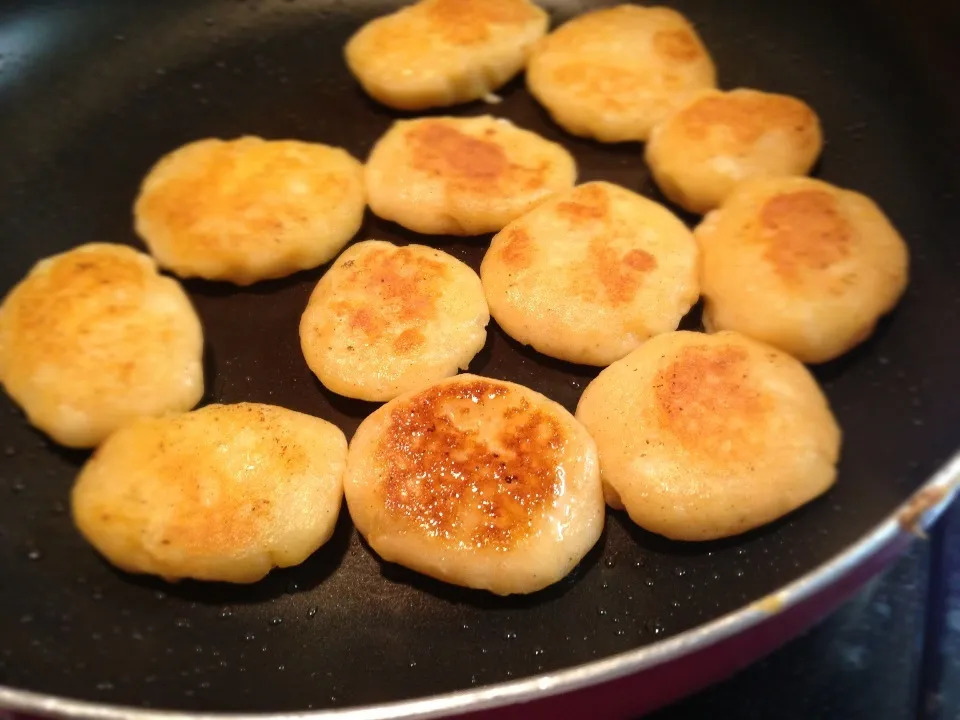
column 477, row 482
column 249, row 209
column 95, row 337
column 385, row 319
column 613, row 74
column 463, row 176
column 224, row 493
column 707, row 436
column 590, row 275
column 701, row 152
column 800, row 264
column 436, row 53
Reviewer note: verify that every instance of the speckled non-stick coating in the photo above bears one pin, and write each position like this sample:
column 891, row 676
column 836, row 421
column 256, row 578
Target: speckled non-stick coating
column 92, row 92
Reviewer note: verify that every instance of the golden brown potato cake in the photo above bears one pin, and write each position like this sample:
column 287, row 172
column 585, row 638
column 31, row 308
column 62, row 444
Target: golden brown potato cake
column 224, row 493
column 800, row 264
column 707, row 436
column 613, row 74
column 385, row 319
column 463, row 176
column 589, row 276
column 698, row 154
column 436, row 53
column 249, row 209
column 95, row 337
column 476, row 482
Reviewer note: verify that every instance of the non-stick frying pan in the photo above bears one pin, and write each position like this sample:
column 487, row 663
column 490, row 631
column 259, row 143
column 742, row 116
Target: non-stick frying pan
column 93, row 91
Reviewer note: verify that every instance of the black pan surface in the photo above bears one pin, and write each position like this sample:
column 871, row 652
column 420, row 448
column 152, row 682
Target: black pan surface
column 92, row 92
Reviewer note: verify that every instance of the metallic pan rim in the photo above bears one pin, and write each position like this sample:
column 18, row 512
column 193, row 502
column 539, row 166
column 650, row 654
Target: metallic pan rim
column 918, row 513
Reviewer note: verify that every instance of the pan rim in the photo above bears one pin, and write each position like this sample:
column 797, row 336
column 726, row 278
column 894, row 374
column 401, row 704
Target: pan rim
column 918, row 513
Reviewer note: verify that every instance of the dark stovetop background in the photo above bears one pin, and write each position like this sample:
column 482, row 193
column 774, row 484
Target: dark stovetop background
column 891, row 653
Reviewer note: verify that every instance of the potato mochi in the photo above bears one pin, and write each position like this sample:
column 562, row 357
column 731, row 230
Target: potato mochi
column 249, row 209
column 94, row 337
column 592, row 274
column 224, row 493
column 700, row 153
column 463, row 176
column 476, row 482
column 801, row 265
column 707, row 436
column 385, row 319
column 436, row 53
column 613, row 74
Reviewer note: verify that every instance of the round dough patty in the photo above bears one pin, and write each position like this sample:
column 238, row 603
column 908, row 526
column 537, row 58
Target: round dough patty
column 718, row 139
column 800, row 264
column 477, row 482
column 95, row 337
column 442, row 52
column 613, row 74
column 385, row 319
column 249, row 209
column 463, row 176
column 707, row 436
column 224, row 493
column 590, row 275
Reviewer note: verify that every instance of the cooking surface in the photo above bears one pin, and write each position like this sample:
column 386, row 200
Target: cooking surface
column 90, row 98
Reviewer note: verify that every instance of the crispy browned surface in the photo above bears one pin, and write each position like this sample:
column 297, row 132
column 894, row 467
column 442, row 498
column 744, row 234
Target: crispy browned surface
column 804, row 230
column 589, row 202
column 466, row 22
column 678, row 45
column 405, row 281
column 467, row 163
column 707, row 401
column 478, row 483
column 746, row 115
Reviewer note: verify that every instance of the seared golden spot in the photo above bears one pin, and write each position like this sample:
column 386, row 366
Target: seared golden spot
column 746, row 116
column 443, row 150
column 409, row 340
column 679, row 45
column 620, row 277
column 466, row 482
column 640, row 260
column 517, row 250
column 406, row 280
column 706, row 400
column 804, row 230
column 79, row 284
column 590, row 202
column 366, row 320
column 465, row 22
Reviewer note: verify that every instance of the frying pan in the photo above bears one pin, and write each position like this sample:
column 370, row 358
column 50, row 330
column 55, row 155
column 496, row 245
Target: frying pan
column 92, row 92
